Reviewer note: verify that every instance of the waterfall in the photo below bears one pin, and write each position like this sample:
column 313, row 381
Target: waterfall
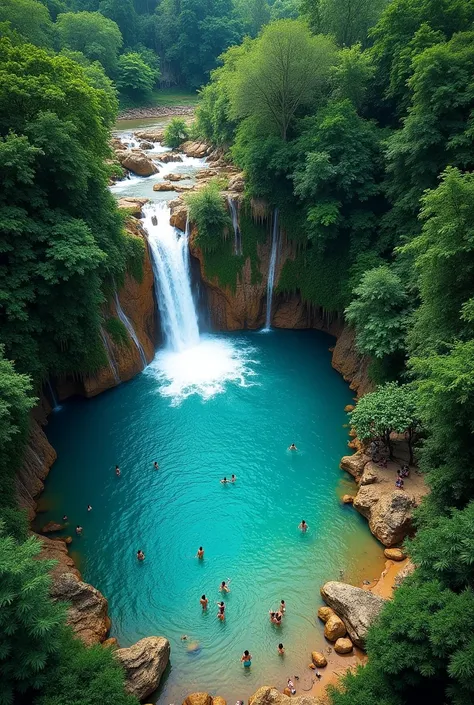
column 235, row 223
column 170, row 259
column 271, row 268
column 110, row 356
column 56, row 405
column 126, row 322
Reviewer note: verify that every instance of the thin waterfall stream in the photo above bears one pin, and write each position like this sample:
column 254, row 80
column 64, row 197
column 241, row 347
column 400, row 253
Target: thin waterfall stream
column 130, row 329
column 233, row 206
column 110, row 356
column 271, row 269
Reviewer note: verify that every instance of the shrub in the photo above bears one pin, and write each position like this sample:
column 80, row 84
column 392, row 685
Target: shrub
column 176, row 132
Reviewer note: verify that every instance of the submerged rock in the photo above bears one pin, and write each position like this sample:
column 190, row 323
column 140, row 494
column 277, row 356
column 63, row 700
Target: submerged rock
column 51, row 527
column 347, row 499
column 144, row 664
column 356, row 607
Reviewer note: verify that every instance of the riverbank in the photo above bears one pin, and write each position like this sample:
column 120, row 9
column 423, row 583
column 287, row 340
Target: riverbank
column 157, row 111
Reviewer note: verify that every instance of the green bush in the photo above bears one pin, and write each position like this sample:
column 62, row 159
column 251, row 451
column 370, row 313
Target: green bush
column 176, row 132
column 208, row 212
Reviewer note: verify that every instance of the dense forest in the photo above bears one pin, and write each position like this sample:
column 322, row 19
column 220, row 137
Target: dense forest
column 355, row 119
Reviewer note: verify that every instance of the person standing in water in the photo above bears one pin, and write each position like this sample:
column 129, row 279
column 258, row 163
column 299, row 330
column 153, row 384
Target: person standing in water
column 117, row 471
column 281, row 650
column 282, row 607
column 221, row 613
column 246, row 659
column 200, row 553
column 204, row 602
column 79, row 530
column 292, row 447
column 140, row 555
column 224, row 481
column 224, row 587
column 233, row 478
column 156, row 466
column 303, row 526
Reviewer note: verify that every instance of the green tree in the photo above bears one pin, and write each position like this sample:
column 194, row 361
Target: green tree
column 208, row 212
column 135, row 77
column 30, row 19
column 285, row 69
column 176, row 132
column 379, row 313
column 123, row 14
column 253, row 14
column 348, row 21
column 352, row 76
column 391, row 408
column 97, row 37
column 30, row 625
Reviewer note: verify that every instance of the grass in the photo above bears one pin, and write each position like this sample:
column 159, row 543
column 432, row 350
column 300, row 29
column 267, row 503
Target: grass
column 163, row 97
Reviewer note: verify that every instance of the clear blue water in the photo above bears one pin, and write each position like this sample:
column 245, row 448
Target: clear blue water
column 258, row 394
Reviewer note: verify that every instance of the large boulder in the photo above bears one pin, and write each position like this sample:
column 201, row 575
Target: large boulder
column 198, row 699
column 334, row 628
column 271, row 696
column 151, row 135
column 354, row 464
column 194, row 149
column 319, row 659
column 170, row 157
column 133, row 205
column 343, row 646
column 87, row 613
column 356, row 607
column 144, row 664
column 163, row 186
column 394, row 554
column 237, row 183
column 137, row 162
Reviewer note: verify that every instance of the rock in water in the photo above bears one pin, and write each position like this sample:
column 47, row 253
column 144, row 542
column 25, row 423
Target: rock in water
column 334, row 628
column 347, row 499
column 356, row 607
column 144, row 664
column 138, row 162
column 394, row 554
column 343, row 646
column 271, row 696
column 354, row 464
column 51, row 527
column 198, row 699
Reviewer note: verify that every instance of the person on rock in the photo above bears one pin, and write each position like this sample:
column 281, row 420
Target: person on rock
column 140, row 555
column 200, row 553
column 303, row 526
column 204, row 602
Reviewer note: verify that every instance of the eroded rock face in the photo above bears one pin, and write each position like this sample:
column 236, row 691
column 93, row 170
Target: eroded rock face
column 138, row 162
column 87, row 613
column 271, row 696
column 354, row 464
column 350, row 363
column 144, row 664
column 357, row 608
column 37, row 461
column 194, row 149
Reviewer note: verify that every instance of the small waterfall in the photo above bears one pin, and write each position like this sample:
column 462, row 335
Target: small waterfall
column 170, row 258
column 56, row 404
column 126, row 322
column 271, row 268
column 235, row 222
column 110, row 356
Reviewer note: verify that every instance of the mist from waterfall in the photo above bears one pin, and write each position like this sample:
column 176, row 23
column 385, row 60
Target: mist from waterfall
column 130, row 329
column 271, row 269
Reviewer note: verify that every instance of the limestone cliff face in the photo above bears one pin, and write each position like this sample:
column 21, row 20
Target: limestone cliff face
column 350, row 363
column 37, row 462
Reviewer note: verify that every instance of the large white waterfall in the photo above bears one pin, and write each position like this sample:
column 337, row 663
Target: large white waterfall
column 170, row 258
column 271, row 269
column 235, row 223
column 130, row 329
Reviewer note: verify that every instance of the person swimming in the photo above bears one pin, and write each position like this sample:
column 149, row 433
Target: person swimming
column 224, row 587
column 65, row 517
column 156, row 466
column 224, row 481
column 140, row 555
column 282, row 607
column 272, row 615
column 221, row 613
column 246, row 659
column 89, row 508
column 204, row 602
column 292, row 447
column 117, row 471
column 233, row 478
column 277, row 619
column 303, row 526
column 200, row 553
column 281, row 649
column 79, row 530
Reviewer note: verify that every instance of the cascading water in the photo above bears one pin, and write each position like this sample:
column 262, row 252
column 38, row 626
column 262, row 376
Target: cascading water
column 235, row 223
column 56, row 405
column 110, row 356
column 131, row 331
column 271, row 268
column 170, row 259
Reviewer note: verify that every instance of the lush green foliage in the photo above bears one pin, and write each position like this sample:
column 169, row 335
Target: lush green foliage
column 117, row 331
column 135, row 76
column 347, row 20
column 208, row 212
column 95, row 36
column 30, row 19
column 176, row 132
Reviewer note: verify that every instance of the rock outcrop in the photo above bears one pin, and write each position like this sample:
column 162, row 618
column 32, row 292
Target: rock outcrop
column 271, row 696
column 195, row 149
column 133, row 205
column 350, row 363
column 356, row 607
column 389, row 510
column 144, row 664
column 37, row 461
column 87, row 611
column 151, row 135
column 137, row 162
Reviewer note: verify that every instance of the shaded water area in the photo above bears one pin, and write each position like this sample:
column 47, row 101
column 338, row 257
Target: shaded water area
column 232, row 406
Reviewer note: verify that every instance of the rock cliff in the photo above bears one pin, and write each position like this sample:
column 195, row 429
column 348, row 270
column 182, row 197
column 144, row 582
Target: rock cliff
column 350, row 363
column 37, row 461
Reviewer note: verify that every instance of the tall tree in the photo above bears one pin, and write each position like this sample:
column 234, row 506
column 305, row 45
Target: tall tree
column 348, row 21
column 30, row 19
column 97, row 37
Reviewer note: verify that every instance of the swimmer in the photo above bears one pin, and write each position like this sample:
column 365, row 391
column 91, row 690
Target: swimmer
column 140, row 555
column 233, row 478
column 200, row 553
column 225, row 586
column 117, row 471
column 184, row 637
column 282, row 607
column 292, row 447
column 221, row 613
column 272, row 615
column 224, row 481
column 281, row 650
column 204, row 602
column 277, row 619
column 303, row 526
column 79, row 530
column 65, row 518
column 246, row 659
column 156, row 466
column 89, row 508
column 291, row 686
